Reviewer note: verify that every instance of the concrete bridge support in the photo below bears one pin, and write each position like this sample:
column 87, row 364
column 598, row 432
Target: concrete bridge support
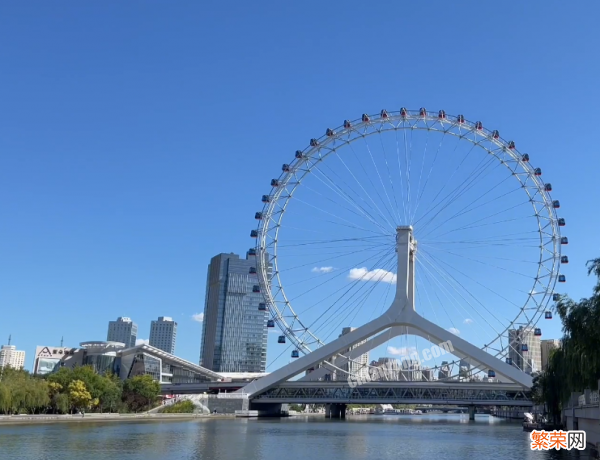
column 471, row 413
column 335, row 411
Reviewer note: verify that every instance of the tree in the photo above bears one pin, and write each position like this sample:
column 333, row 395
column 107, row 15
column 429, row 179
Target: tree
column 576, row 366
column 79, row 395
column 20, row 392
column 111, row 394
column 140, row 392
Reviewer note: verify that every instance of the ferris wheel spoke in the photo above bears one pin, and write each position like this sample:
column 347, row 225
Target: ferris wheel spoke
column 428, row 275
column 329, row 183
column 339, row 157
column 387, row 166
column 467, row 209
column 341, row 272
column 455, row 284
column 322, row 270
column 418, row 189
column 432, row 269
column 448, row 180
column 344, row 222
column 347, row 292
column 338, row 205
column 476, row 282
column 391, row 208
column 468, row 183
column 485, row 224
column 367, row 176
column 355, row 301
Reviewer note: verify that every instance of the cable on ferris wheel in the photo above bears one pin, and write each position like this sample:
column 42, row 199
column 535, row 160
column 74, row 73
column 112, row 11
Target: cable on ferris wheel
column 489, row 253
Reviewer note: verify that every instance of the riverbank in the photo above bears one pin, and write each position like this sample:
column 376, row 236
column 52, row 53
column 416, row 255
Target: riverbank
column 117, row 418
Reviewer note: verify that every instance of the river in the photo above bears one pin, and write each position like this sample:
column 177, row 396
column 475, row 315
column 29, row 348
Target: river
column 436, row 437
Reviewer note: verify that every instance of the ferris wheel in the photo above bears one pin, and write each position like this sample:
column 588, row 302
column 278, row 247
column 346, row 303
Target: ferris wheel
column 488, row 234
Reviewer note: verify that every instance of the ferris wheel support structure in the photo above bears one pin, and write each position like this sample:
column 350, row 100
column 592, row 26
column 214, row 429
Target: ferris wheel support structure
column 400, row 313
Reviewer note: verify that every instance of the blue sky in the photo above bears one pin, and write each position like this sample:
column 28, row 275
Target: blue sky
column 136, row 139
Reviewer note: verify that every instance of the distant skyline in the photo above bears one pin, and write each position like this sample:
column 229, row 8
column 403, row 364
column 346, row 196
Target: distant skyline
column 137, row 139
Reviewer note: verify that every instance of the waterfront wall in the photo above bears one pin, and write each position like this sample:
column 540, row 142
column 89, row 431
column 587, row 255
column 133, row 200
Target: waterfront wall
column 583, row 413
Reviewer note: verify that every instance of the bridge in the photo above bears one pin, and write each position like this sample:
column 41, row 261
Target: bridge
column 277, row 388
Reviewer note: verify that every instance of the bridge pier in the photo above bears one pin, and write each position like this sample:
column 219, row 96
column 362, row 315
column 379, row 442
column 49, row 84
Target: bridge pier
column 471, row 413
column 335, row 411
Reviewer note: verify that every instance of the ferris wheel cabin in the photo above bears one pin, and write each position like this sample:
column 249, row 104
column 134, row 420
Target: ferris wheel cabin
column 295, row 354
column 270, row 323
column 281, row 339
column 548, row 315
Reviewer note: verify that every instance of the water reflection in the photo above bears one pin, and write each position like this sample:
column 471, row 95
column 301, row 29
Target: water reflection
column 438, row 437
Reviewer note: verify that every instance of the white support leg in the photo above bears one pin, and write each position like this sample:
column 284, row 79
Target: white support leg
column 399, row 316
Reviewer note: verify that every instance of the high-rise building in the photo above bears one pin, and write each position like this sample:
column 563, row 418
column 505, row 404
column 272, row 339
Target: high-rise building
column 411, row 371
column 525, row 349
column 444, row 371
column 464, row 369
column 546, row 348
column 163, row 334
column 234, row 328
column 11, row 357
column 122, row 330
column 358, row 366
column 427, row 374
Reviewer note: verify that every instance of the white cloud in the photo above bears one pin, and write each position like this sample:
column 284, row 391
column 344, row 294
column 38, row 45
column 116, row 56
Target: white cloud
column 454, row 331
column 402, row 351
column 468, row 321
column 376, row 275
column 142, row 341
column 322, row 270
column 198, row 317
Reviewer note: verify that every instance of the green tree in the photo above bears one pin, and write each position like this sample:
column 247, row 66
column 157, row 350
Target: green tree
column 21, row 393
column 576, row 366
column 140, row 392
column 181, row 407
column 111, row 393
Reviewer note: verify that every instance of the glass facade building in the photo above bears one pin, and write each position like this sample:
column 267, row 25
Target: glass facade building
column 122, row 330
column 234, row 332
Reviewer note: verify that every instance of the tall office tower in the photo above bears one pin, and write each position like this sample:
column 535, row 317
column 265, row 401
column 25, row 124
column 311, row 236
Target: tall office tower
column 546, row 348
column 385, row 369
column 122, row 330
column 11, row 357
column 234, row 329
column 163, row 334
column 427, row 374
column 444, row 371
column 357, row 366
column 525, row 349
column 464, row 369
column 411, row 371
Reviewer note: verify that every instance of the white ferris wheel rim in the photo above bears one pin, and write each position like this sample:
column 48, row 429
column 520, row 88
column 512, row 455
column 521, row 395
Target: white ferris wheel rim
column 319, row 149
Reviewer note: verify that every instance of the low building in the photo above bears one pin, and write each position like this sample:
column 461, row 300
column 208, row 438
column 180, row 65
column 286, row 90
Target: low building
column 125, row 362
column 103, row 356
column 51, row 359
column 11, row 357
column 162, row 366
